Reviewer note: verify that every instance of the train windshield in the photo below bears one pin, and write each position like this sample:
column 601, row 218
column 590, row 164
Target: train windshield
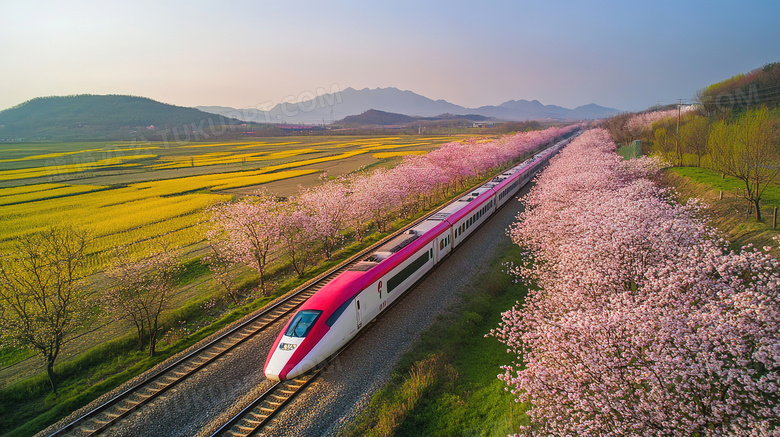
column 302, row 323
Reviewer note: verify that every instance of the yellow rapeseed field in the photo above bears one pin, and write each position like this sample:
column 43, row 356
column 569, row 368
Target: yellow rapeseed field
column 127, row 206
column 30, row 193
column 56, row 170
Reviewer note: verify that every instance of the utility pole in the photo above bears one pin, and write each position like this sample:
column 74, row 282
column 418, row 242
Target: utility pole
column 677, row 136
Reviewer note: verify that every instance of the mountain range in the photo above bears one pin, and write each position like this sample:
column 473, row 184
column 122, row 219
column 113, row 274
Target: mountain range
column 327, row 108
column 120, row 117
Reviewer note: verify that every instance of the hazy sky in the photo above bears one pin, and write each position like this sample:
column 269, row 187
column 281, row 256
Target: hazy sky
column 622, row 54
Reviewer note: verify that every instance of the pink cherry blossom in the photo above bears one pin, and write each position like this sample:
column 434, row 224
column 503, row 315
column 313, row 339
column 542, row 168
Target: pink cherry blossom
column 641, row 321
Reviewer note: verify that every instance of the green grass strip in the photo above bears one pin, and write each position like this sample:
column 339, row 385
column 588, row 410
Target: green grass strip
column 447, row 385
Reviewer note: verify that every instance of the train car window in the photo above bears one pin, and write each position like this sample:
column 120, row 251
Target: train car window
column 302, row 323
column 339, row 311
column 407, row 271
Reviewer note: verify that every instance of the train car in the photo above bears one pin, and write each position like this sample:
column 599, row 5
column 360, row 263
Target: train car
column 336, row 313
column 468, row 212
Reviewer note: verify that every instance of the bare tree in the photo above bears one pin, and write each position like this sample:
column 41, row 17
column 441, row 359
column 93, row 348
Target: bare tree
column 694, row 136
column 42, row 296
column 141, row 291
column 747, row 150
column 663, row 142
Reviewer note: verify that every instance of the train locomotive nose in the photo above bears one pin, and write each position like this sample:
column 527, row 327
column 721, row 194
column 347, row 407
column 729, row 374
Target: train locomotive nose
column 274, row 368
column 273, row 376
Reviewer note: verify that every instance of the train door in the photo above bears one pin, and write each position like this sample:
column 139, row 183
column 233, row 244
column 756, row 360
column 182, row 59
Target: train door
column 357, row 311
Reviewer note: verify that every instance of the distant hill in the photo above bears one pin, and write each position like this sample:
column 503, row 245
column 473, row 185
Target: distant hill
column 374, row 117
column 330, row 107
column 755, row 88
column 520, row 110
column 378, row 118
column 103, row 117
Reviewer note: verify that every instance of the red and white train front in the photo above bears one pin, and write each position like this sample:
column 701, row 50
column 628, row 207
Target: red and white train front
column 318, row 330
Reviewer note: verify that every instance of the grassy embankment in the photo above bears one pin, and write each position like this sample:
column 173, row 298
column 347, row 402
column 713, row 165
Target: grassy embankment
column 730, row 214
column 447, row 385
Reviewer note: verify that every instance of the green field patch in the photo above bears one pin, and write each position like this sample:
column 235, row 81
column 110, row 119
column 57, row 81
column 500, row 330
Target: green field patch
column 50, row 191
column 385, row 155
column 56, row 170
column 729, row 185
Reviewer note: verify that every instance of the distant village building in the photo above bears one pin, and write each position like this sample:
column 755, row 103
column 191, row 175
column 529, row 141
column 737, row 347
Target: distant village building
column 300, row 127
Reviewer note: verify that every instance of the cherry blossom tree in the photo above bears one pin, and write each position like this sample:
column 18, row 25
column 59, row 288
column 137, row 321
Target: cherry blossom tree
column 299, row 235
column 642, row 321
column 222, row 265
column 329, row 205
column 247, row 231
column 42, row 295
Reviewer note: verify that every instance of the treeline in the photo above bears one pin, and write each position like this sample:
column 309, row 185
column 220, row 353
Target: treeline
column 758, row 87
column 733, row 129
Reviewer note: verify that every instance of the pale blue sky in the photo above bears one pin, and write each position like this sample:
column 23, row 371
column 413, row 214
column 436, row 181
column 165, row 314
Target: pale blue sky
column 622, row 54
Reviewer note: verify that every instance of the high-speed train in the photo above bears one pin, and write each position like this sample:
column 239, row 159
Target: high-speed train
column 336, row 313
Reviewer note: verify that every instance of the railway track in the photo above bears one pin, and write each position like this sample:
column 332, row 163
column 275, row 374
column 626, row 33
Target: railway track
column 259, row 413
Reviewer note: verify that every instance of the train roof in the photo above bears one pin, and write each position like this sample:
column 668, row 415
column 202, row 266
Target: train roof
column 380, row 262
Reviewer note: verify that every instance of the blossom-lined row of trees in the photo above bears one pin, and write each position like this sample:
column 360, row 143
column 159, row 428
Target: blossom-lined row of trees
column 643, row 323
column 260, row 230
column 642, row 121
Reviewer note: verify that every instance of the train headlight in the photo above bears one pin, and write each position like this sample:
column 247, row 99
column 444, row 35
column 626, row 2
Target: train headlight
column 287, row 346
